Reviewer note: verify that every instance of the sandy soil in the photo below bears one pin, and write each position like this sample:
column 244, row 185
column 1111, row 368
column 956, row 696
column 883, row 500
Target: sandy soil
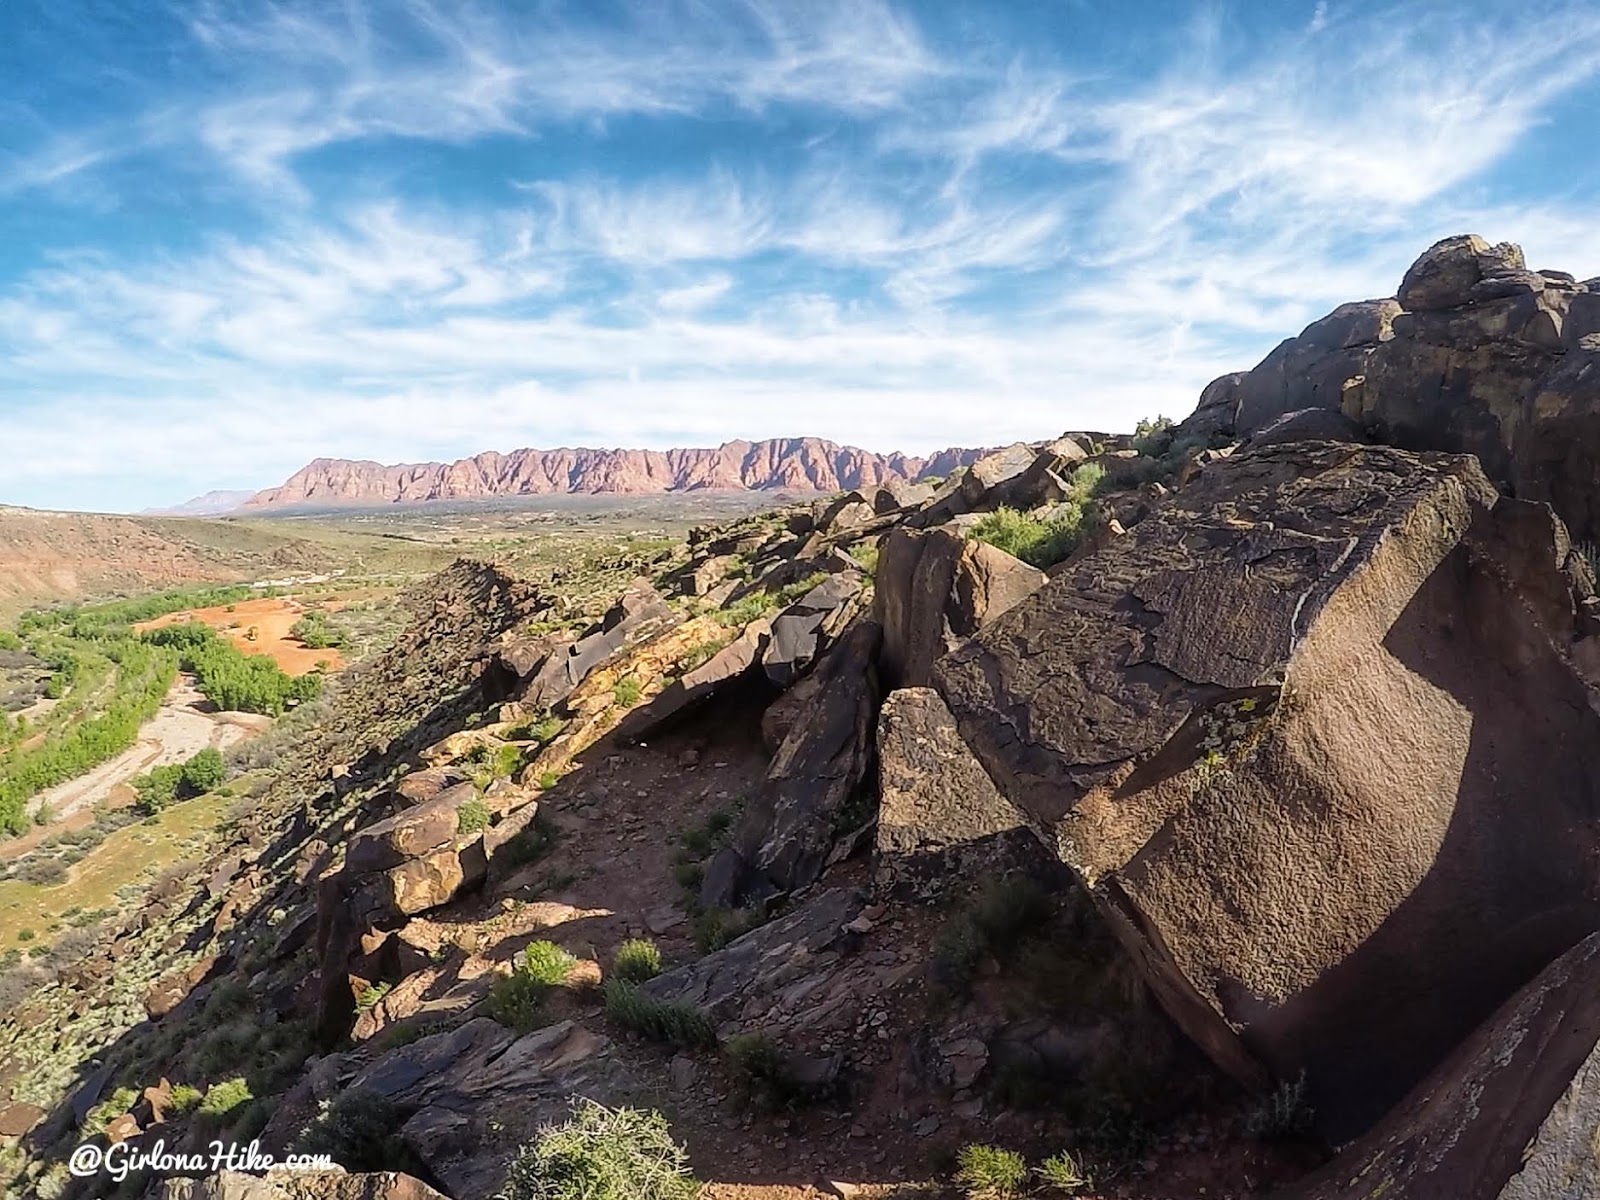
column 180, row 730
column 271, row 618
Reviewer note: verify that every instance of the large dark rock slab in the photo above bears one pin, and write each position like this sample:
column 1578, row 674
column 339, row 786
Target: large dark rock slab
column 1331, row 775
column 784, row 837
column 933, row 590
column 1513, row 1114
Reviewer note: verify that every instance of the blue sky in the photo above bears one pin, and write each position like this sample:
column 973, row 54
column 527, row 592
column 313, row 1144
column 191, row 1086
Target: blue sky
column 234, row 237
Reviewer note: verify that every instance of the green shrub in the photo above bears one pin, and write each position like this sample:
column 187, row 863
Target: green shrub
column 767, row 1075
column 530, row 845
column 547, row 963
column 627, row 691
column 989, row 1173
column 517, row 1000
column 602, row 1154
column 661, row 1021
column 314, row 633
column 716, row 927
column 185, row 1098
column 1283, row 1115
column 204, row 771
column 741, row 612
column 1064, row 1174
column 359, row 1130
column 109, row 1109
column 472, row 817
column 222, row 1099
column 992, row 922
column 371, row 995
column 637, row 959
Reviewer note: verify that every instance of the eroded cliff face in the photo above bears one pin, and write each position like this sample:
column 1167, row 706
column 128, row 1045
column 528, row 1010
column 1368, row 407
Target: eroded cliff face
column 794, row 464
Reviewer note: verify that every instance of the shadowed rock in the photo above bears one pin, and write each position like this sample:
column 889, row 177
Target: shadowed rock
column 939, row 814
column 784, row 837
column 1513, row 1114
column 1330, row 774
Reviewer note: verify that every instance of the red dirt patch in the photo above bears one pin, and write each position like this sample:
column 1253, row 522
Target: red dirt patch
column 271, row 619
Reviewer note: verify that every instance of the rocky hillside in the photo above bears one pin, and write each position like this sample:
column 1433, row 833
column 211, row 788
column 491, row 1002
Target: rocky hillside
column 793, row 464
column 1213, row 812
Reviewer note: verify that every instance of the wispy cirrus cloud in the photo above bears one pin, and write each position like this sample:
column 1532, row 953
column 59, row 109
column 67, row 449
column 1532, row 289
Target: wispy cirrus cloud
column 424, row 230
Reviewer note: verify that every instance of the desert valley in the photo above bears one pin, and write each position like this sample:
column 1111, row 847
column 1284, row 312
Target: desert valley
column 1202, row 810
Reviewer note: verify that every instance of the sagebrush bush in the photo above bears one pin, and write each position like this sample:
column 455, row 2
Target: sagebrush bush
column 359, row 1130
column 659, row 1020
column 602, row 1154
column 637, row 959
column 990, row 1173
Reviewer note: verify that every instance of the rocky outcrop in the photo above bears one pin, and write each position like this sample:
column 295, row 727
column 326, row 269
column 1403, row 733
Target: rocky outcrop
column 1477, row 354
column 766, row 960
column 783, row 840
column 797, row 464
column 935, row 589
column 1298, row 734
column 1514, row 1114
column 637, row 615
column 939, row 814
column 480, row 1088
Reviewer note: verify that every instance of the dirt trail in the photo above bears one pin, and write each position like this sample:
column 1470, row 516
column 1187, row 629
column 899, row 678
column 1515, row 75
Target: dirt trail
column 181, row 729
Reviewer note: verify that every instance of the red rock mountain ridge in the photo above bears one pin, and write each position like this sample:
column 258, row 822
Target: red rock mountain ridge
column 795, row 464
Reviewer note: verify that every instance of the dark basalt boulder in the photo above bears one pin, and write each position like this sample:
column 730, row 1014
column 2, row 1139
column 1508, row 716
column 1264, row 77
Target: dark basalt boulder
column 1513, row 1114
column 1329, row 772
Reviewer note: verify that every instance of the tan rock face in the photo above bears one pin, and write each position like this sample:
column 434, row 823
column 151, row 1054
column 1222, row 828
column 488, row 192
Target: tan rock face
column 1326, row 768
column 802, row 464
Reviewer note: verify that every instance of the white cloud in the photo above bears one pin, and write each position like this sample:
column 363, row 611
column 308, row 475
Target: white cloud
column 970, row 248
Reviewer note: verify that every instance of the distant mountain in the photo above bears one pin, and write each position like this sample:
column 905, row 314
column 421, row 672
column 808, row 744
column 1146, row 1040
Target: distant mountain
column 212, row 504
column 794, row 464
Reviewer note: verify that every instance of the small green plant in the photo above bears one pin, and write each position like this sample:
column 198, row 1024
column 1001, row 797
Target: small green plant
column 223, row 1099
column 602, row 1154
column 472, row 817
column 990, row 1173
column 742, row 611
column 545, row 730
column 185, row 1098
column 714, row 928
column 547, row 963
column 530, row 845
column 1064, row 1174
column 517, row 1000
column 992, row 922
column 867, row 554
column 108, row 1110
column 767, row 1075
column 1283, row 1115
column 673, row 1022
column 637, row 959
column 371, row 995
column 26, row 935
column 548, row 780
column 627, row 691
